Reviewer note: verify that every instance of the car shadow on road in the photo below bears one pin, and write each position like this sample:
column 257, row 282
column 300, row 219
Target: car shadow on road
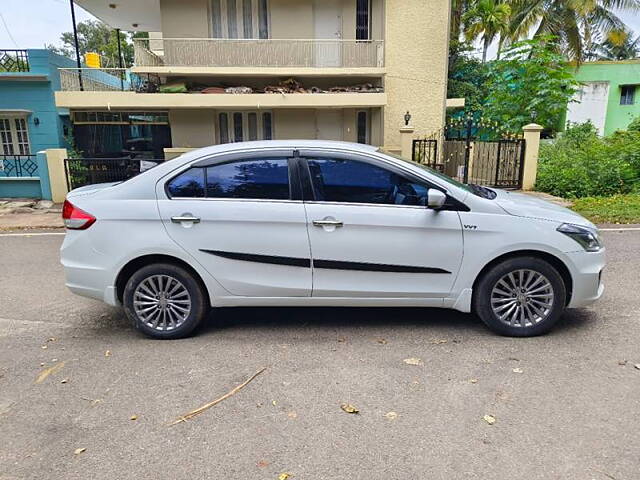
column 428, row 320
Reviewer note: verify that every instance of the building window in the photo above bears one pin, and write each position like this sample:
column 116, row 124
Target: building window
column 14, row 136
column 244, row 126
column 363, row 127
column 239, row 19
column 363, row 19
column 627, row 94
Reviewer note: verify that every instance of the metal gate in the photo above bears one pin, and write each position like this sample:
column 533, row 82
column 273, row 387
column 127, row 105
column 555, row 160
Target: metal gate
column 474, row 151
column 88, row 171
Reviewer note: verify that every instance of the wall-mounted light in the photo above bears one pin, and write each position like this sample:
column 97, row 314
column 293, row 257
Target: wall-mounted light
column 407, row 118
column 36, row 121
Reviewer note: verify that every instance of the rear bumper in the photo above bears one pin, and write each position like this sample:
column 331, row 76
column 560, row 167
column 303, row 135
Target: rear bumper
column 587, row 277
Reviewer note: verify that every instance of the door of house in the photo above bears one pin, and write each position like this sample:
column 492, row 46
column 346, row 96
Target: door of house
column 329, row 124
column 327, row 16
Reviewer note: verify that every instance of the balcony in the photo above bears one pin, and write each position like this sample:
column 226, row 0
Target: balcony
column 14, row 61
column 217, row 55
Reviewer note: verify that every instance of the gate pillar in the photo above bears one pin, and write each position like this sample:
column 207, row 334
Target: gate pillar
column 57, row 175
column 532, row 147
column 406, row 142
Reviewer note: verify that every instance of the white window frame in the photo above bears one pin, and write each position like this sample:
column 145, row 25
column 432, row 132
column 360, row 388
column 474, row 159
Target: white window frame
column 245, row 124
column 18, row 147
column 224, row 19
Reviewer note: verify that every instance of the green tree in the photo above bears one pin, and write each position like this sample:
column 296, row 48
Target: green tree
column 486, row 19
column 532, row 82
column 95, row 36
column 467, row 76
column 574, row 23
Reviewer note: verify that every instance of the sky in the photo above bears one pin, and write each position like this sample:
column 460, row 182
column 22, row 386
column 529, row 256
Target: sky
column 34, row 23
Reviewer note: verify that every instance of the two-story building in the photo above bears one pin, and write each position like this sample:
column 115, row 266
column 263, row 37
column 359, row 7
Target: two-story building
column 609, row 95
column 29, row 118
column 216, row 71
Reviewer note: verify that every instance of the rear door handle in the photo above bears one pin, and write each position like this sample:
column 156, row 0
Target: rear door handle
column 185, row 218
column 328, row 223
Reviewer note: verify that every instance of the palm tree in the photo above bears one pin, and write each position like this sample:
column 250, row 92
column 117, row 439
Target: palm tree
column 618, row 46
column 574, row 23
column 486, row 19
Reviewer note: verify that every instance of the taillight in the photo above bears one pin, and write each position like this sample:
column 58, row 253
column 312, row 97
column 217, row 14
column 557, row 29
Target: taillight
column 75, row 218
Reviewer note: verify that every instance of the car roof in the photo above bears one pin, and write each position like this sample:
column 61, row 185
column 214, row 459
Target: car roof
column 240, row 146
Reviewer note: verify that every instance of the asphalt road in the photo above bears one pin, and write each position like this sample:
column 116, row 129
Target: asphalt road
column 572, row 413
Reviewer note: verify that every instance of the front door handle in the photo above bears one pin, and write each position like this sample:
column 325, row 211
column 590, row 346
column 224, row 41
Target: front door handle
column 185, row 218
column 328, row 223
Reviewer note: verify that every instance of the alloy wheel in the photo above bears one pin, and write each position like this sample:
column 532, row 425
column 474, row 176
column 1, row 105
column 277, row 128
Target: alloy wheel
column 162, row 302
column 522, row 298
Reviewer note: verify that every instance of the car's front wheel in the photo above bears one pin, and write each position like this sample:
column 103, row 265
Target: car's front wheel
column 164, row 301
column 520, row 297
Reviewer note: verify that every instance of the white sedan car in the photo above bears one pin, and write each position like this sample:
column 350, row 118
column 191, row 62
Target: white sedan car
column 314, row 223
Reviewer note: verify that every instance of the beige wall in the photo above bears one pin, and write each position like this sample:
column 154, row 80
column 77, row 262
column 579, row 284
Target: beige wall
column 294, row 124
column 416, row 50
column 192, row 128
column 291, row 19
column 185, row 18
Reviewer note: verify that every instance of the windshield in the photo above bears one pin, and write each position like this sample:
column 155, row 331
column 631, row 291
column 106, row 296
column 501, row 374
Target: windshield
column 477, row 190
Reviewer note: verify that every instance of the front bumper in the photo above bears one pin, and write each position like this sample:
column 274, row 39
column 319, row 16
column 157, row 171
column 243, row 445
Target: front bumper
column 586, row 274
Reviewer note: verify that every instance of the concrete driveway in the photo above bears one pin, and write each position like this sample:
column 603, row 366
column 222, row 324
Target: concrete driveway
column 566, row 405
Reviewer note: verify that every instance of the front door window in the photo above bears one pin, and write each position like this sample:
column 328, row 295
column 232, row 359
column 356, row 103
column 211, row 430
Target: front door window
column 244, row 126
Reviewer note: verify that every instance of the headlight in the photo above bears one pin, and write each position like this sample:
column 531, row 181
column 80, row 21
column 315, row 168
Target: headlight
column 584, row 236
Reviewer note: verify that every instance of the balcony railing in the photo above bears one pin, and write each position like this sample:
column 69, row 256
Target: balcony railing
column 18, row 166
column 106, row 79
column 14, row 61
column 222, row 52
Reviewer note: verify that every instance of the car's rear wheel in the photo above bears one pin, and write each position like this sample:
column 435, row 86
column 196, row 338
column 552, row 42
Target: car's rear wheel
column 165, row 301
column 520, row 297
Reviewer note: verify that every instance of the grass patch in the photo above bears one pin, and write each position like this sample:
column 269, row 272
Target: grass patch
column 614, row 209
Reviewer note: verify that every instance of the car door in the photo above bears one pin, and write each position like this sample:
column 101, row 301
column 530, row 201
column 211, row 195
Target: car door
column 372, row 236
column 240, row 219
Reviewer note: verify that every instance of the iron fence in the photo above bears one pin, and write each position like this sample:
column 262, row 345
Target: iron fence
column 89, row 171
column 14, row 61
column 107, row 79
column 18, row 166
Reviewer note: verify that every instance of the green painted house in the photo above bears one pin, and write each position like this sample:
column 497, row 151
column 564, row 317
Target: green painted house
column 609, row 95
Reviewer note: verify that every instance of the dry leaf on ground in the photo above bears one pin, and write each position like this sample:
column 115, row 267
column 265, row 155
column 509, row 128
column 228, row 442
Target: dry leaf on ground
column 439, row 341
column 49, row 371
column 107, row 353
column 622, row 362
column 637, row 365
column 382, row 341
column 64, row 380
column 473, row 380
column 284, row 476
column 391, row 415
column 490, row 419
column 347, row 407
column 133, row 417
column 413, row 361
column 517, row 370
column 78, row 451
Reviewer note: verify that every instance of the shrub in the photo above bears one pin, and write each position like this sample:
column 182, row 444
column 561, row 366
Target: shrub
column 581, row 164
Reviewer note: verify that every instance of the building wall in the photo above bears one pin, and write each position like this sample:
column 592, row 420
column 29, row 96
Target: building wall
column 192, row 128
column 21, row 91
column 590, row 103
column 288, row 19
column 616, row 74
column 416, row 53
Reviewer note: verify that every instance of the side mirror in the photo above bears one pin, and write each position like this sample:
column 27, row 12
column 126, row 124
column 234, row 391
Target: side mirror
column 435, row 199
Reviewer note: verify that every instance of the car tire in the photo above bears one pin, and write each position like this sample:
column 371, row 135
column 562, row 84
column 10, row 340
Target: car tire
column 165, row 301
column 520, row 297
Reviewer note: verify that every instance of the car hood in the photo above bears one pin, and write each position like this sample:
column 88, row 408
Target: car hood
column 523, row 205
